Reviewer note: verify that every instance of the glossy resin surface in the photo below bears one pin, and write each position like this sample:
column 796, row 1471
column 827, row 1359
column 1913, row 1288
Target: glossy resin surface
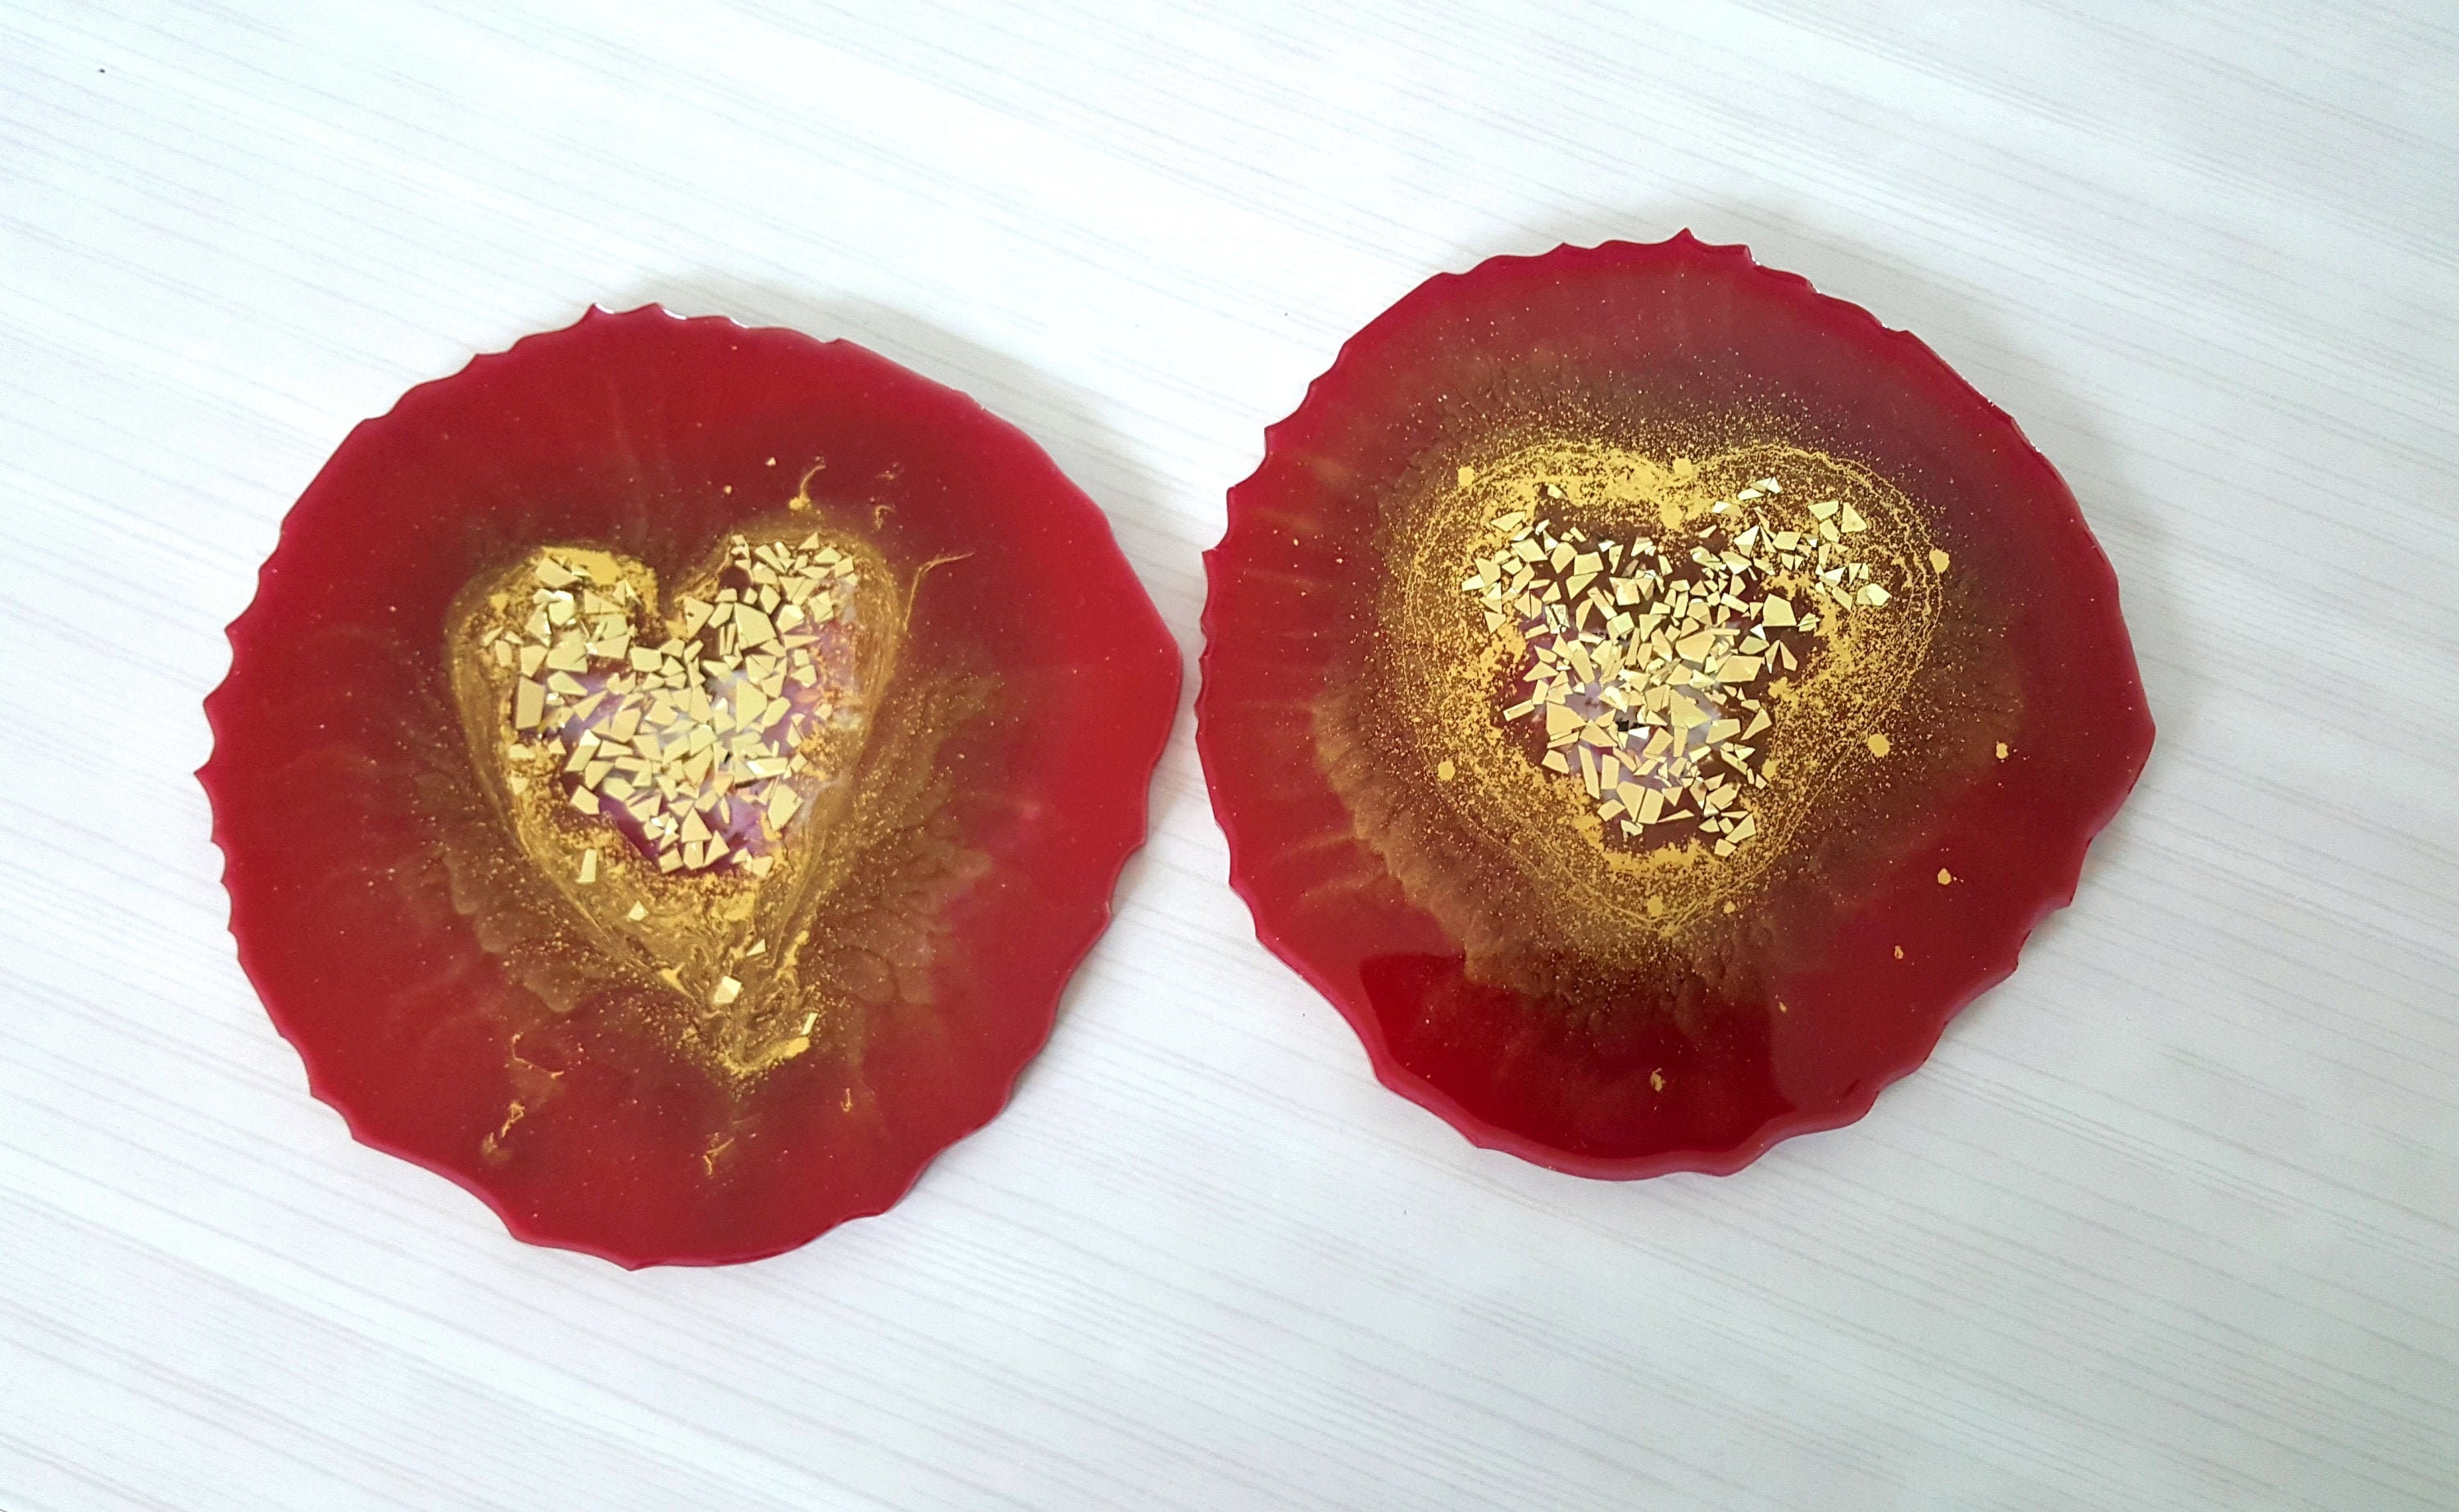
column 669, row 771
column 1650, row 698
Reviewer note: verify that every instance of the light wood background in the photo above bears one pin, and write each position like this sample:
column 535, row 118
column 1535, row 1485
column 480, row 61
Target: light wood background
column 2171, row 1221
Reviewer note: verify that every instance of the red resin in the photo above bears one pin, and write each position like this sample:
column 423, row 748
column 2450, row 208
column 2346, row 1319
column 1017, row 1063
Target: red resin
column 624, row 430
column 1288, row 585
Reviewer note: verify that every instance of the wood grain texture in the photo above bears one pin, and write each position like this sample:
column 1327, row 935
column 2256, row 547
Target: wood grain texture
column 2169, row 1221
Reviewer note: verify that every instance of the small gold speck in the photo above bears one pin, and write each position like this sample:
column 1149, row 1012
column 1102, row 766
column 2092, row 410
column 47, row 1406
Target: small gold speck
column 1899, row 953
column 1879, row 745
column 2002, row 750
column 1945, row 876
column 1445, row 772
column 1936, row 560
column 1657, row 1080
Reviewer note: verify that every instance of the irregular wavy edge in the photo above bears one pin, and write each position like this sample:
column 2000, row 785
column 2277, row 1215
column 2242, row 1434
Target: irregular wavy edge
column 235, row 634
column 1482, row 1132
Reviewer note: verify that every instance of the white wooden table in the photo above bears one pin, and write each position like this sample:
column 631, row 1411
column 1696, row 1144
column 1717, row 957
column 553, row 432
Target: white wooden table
column 2171, row 1221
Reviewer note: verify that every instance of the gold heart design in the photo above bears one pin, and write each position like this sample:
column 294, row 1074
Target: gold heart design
column 673, row 777
column 1469, row 745
column 1668, row 672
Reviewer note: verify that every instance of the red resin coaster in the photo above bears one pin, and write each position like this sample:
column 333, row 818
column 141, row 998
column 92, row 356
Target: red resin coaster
column 669, row 771
column 1650, row 698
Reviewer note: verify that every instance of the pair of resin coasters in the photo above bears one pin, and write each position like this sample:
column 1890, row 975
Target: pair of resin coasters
column 670, row 771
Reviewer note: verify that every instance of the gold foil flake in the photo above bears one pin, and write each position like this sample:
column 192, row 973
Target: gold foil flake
column 783, row 800
column 1945, row 876
column 1938, row 560
column 1878, row 744
column 2002, row 750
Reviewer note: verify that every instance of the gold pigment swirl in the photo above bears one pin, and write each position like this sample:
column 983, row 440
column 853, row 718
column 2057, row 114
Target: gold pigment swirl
column 1611, row 690
column 726, row 825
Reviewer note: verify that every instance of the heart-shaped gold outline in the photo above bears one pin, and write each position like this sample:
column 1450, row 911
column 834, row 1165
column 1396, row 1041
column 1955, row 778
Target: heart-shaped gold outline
column 1505, row 852
column 697, row 927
